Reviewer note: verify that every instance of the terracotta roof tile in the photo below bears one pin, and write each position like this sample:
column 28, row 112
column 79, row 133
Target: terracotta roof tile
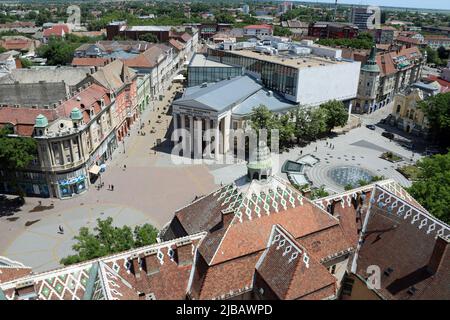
column 400, row 240
column 8, row 273
column 290, row 270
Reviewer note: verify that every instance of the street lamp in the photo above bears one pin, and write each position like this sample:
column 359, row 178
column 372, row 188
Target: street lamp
column 123, row 141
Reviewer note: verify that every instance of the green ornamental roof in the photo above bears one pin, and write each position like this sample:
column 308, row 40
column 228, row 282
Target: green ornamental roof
column 371, row 64
column 263, row 158
column 41, row 121
column 75, row 114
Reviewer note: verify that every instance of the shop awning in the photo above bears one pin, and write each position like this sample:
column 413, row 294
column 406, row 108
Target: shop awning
column 94, row 169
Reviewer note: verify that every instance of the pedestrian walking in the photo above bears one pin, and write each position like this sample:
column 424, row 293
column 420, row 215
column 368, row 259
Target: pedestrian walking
column 61, row 229
column 112, row 187
column 326, row 144
column 316, row 148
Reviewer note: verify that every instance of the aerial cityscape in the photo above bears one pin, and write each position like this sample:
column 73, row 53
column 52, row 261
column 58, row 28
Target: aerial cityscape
column 224, row 150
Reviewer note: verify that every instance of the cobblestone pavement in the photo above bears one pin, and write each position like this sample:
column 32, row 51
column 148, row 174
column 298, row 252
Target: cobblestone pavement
column 150, row 189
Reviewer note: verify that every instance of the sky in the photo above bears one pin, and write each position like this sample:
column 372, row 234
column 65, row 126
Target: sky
column 429, row 4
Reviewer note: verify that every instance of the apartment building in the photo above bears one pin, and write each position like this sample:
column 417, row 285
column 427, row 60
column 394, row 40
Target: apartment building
column 385, row 74
column 75, row 135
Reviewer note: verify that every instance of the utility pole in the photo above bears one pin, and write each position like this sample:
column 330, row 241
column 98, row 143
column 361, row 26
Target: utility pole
column 335, row 9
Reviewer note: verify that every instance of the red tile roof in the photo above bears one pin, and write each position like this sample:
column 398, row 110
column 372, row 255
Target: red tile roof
column 16, row 44
column 87, row 99
column 386, row 61
column 291, row 271
column 8, row 273
column 400, row 238
column 57, row 30
column 405, row 39
column 176, row 44
column 258, row 26
column 98, row 62
column 445, row 85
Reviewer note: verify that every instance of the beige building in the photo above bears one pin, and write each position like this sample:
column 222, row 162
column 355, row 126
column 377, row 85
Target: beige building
column 72, row 148
column 386, row 74
column 407, row 115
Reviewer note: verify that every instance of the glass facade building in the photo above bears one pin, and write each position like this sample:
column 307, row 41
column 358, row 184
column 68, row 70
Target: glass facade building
column 274, row 76
column 200, row 74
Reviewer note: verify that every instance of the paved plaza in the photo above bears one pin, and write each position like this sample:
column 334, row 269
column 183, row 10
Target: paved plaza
column 152, row 187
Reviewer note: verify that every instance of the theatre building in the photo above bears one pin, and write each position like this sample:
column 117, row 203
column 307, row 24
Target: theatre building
column 220, row 107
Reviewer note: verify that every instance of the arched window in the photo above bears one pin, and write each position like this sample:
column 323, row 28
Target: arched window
column 398, row 108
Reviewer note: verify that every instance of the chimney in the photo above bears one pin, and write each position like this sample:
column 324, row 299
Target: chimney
column 151, row 262
column 227, row 216
column 136, row 267
column 438, row 255
column 25, row 290
column 184, row 252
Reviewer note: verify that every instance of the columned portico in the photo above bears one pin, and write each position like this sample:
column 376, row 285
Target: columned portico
column 216, row 138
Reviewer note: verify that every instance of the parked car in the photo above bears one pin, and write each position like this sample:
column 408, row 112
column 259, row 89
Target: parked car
column 370, row 126
column 388, row 135
column 408, row 145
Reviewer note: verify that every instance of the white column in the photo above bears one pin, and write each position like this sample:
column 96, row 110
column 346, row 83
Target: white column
column 175, row 127
column 191, row 132
column 226, row 133
column 198, row 139
column 216, row 139
column 208, row 136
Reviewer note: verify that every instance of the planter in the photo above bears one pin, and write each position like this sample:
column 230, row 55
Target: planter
column 391, row 157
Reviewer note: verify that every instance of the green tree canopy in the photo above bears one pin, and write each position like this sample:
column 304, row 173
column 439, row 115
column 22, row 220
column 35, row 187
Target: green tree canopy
column 282, row 32
column 108, row 239
column 58, row 51
column 437, row 111
column 149, row 37
column 336, row 114
column 432, row 189
column 433, row 56
column 16, row 152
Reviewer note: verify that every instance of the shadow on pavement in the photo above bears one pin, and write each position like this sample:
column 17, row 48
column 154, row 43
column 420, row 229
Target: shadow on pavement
column 9, row 206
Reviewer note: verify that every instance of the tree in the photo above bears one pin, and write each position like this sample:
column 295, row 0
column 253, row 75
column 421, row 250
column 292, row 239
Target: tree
column 16, row 153
column 443, row 53
column 437, row 112
column 433, row 56
column 336, row 114
column 149, row 37
column 319, row 193
column 224, row 18
column 317, row 124
column 57, row 51
column 25, row 63
column 108, row 239
column 282, row 32
column 286, row 129
column 262, row 118
column 432, row 189
column 43, row 17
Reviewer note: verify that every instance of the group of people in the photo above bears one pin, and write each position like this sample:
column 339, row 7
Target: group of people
column 329, row 145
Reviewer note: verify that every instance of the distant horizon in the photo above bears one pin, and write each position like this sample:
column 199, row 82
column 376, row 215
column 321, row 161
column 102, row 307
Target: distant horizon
column 413, row 4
